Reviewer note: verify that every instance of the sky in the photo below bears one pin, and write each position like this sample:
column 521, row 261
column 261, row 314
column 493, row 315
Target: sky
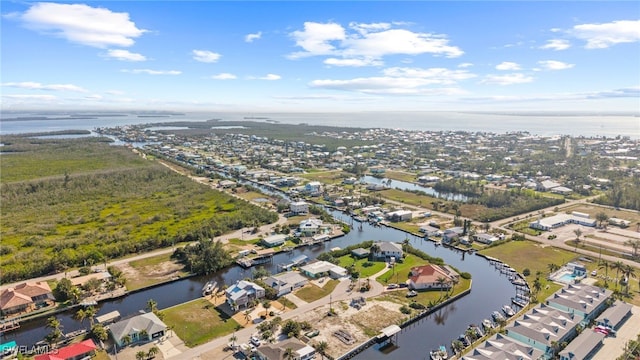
column 322, row 56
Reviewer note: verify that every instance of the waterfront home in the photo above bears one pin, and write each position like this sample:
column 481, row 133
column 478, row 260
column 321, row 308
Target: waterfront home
column 313, row 188
column 585, row 301
column 25, row 297
column 242, row 293
column 143, row 327
column 385, row 250
column 452, row 234
column 485, row 238
column 359, row 253
column 299, row 207
column 399, row 215
column 277, row 351
column 312, row 226
column 542, row 327
column 318, row 269
column 274, row 240
column 431, row 276
column 429, row 231
column 287, row 282
column 502, row 347
column 82, row 350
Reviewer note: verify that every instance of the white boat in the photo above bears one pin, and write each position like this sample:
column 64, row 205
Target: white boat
column 208, row 288
column 508, row 310
column 497, row 316
column 439, row 353
column 487, row 324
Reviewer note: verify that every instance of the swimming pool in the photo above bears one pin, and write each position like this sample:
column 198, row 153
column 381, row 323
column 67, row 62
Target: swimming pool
column 567, row 278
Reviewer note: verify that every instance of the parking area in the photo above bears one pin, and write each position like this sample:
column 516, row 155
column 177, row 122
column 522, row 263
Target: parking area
column 613, row 346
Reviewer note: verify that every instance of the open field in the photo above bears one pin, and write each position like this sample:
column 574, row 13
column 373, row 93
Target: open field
column 90, row 213
column 151, row 271
column 312, row 292
column 400, row 175
column 326, row 177
column 358, row 264
column 198, row 321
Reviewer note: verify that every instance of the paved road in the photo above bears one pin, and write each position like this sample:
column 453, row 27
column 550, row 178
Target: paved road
column 340, row 293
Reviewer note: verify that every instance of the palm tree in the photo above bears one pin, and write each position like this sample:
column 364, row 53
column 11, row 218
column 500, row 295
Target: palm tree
column 80, row 315
column 126, row 340
column 552, row 267
column 321, row 347
column 629, row 272
column 578, row 233
column 140, row 355
column 143, row 335
column 247, row 315
column 602, row 217
column 153, row 351
column 152, row 305
column 635, row 244
column 266, row 305
column 90, row 312
column 375, row 248
column 537, row 285
column 617, row 266
column 440, row 281
column 56, row 330
column 289, row 354
column 604, row 265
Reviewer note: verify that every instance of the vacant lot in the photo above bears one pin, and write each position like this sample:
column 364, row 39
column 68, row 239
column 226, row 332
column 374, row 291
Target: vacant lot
column 198, row 322
column 312, row 292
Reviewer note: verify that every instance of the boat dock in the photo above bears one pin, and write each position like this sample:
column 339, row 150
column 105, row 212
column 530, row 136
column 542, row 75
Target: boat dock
column 9, row 325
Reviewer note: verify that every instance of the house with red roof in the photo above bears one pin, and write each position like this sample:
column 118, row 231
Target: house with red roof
column 25, row 297
column 432, row 276
column 81, row 350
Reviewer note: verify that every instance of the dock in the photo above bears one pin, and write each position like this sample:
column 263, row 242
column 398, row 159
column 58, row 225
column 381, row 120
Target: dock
column 9, row 325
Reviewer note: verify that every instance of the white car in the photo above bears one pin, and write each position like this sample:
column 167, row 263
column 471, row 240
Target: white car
column 254, row 341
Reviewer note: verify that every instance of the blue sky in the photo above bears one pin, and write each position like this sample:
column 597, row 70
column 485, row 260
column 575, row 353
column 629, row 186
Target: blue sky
column 321, row 56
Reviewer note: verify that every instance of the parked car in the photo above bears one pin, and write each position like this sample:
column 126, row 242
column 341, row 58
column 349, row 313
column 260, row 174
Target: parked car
column 412, row 293
column 392, row 286
column 254, row 341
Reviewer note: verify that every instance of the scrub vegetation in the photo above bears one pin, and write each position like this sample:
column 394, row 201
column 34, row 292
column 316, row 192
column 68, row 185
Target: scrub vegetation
column 69, row 203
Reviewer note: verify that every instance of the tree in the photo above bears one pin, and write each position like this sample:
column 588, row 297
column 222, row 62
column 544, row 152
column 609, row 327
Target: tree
column 247, row 315
column 140, row 355
column 56, row 330
column 152, row 305
column 602, row 218
column 552, row 267
column 89, row 313
column 578, row 233
column 629, row 272
column 321, row 348
column 63, row 290
column 126, row 340
column 289, row 354
column 374, row 249
column 143, row 335
column 99, row 332
column 604, row 265
column 152, row 352
column 617, row 266
column 441, row 281
column 80, row 315
column 266, row 305
column 635, row 244
column 537, row 285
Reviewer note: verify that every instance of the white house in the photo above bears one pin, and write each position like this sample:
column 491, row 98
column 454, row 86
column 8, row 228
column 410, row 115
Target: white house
column 400, row 215
column 485, row 238
column 299, row 207
column 451, row 234
column 319, row 269
column 287, row 282
column 144, row 327
column 274, row 240
column 313, row 188
column 310, row 227
column 386, row 250
column 242, row 292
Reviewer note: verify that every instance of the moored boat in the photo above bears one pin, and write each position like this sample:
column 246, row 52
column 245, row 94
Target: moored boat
column 208, row 288
column 497, row 316
column 487, row 324
column 439, row 354
column 508, row 310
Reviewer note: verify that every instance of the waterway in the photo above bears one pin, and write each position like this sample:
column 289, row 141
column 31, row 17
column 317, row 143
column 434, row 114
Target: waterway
column 403, row 185
column 490, row 291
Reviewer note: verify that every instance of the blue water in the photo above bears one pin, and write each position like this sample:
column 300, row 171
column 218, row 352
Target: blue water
column 567, row 278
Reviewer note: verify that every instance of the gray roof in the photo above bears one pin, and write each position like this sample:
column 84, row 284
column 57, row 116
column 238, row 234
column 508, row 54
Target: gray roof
column 148, row 321
column 613, row 315
column 581, row 297
column 282, row 279
column 543, row 324
column 242, row 288
column 389, row 246
column 503, row 348
column 276, row 351
column 582, row 345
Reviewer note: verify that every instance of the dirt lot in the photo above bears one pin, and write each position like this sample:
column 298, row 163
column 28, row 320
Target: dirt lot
column 151, row 274
column 360, row 324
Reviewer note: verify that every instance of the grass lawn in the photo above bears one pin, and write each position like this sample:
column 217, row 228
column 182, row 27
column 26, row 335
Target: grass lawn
column 239, row 242
column 150, row 261
column 425, row 297
column 400, row 175
column 326, row 177
column 311, row 292
column 197, row 322
column 401, row 272
column 286, row 302
column 101, row 355
column 364, row 271
column 413, row 228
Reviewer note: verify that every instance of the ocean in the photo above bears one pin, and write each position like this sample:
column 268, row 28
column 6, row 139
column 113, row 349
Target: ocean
column 542, row 124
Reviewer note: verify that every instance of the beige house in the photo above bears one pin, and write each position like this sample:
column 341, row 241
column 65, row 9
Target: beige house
column 25, row 297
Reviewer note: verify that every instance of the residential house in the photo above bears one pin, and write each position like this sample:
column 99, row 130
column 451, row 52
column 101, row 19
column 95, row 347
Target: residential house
column 615, row 315
column 313, row 188
column 386, row 250
column 585, row 301
column 359, row 253
column 318, row 269
column 501, row 347
column 277, row 351
column 143, row 327
column 430, row 231
column 310, row 227
column 431, row 276
column 485, row 238
column 584, row 346
column 299, row 207
column 274, row 240
column 242, row 293
column 400, row 215
column 78, row 351
column 452, row 234
column 25, row 297
column 287, row 282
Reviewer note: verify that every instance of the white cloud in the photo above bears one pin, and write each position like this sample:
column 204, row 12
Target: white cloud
column 555, row 65
column 82, row 24
column 508, row 79
column 205, row 56
column 125, row 55
column 38, row 86
column 402, row 81
column 251, row 37
column 600, row 36
column 270, row 77
column 465, row 65
column 31, row 97
column 507, row 65
column 224, row 76
column 367, row 41
column 556, row 44
column 316, row 37
column 353, row 62
column 152, row 72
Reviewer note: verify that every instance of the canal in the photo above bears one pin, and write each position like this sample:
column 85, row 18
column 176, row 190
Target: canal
column 403, row 185
column 490, row 291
